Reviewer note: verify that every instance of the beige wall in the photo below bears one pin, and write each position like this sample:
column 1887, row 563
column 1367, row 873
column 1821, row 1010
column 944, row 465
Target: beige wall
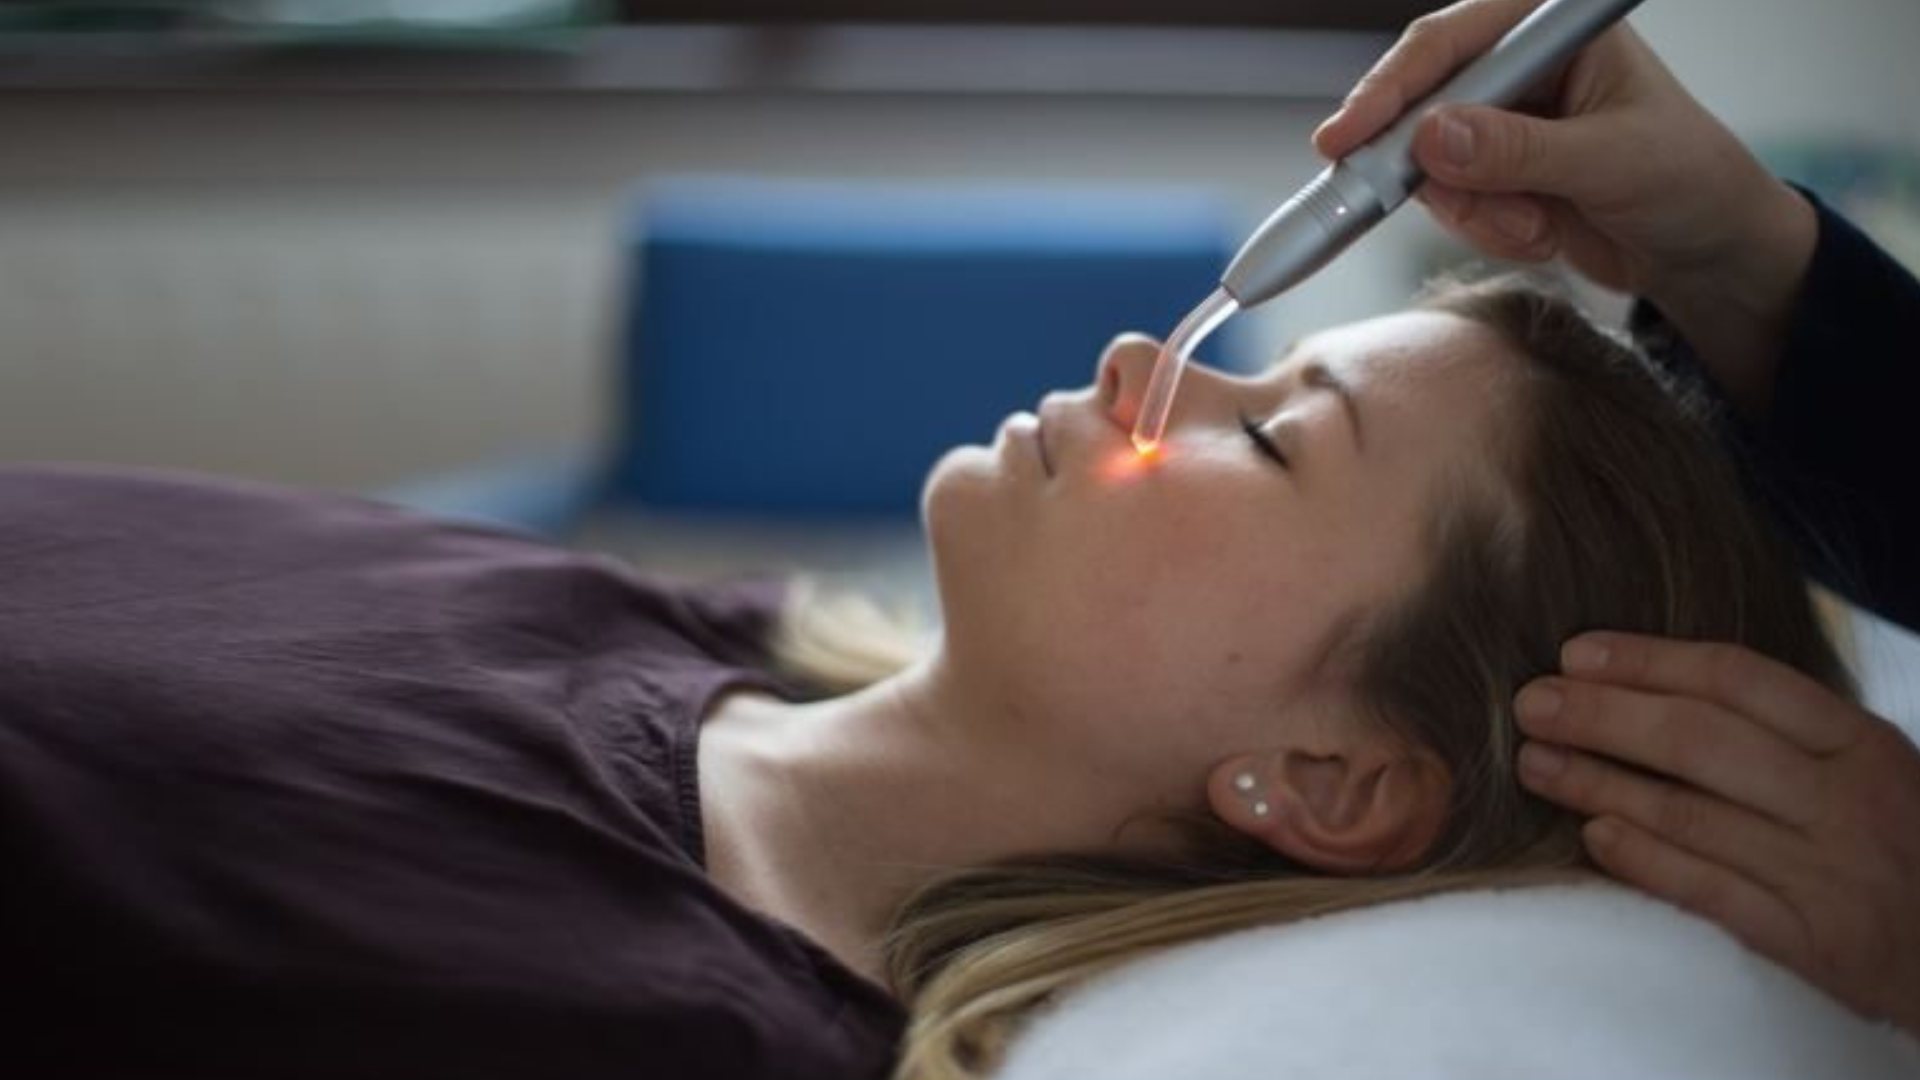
column 347, row 289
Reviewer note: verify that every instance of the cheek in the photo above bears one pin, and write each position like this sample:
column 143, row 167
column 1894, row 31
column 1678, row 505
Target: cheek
column 1177, row 620
column 1158, row 612
column 1173, row 681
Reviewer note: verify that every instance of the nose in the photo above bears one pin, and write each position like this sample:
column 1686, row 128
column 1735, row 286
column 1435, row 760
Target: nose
column 1124, row 369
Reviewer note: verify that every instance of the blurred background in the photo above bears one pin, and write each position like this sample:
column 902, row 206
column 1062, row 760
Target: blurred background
column 543, row 262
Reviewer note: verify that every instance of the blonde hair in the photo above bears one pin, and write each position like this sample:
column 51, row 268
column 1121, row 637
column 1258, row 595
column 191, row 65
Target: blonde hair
column 1621, row 510
column 837, row 640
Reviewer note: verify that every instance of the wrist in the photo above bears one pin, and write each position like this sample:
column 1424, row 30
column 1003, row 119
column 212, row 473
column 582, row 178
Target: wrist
column 1766, row 275
column 1735, row 307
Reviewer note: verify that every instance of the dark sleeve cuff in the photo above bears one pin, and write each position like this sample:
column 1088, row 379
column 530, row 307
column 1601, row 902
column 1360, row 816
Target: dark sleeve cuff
column 1829, row 459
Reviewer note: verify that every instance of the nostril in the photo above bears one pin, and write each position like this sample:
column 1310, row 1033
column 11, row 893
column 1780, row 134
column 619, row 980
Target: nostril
column 1122, row 373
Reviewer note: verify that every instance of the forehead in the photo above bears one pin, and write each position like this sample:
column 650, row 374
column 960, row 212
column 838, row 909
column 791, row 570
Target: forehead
column 1427, row 382
column 1408, row 346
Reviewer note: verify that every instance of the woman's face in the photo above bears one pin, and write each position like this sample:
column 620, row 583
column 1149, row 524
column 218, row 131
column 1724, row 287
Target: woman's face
column 1154, row 615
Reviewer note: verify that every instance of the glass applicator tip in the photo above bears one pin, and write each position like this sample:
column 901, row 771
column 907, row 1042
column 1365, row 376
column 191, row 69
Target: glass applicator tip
column 1157, row 404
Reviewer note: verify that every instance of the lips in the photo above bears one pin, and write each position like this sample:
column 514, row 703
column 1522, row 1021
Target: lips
column 1040, row 439
column 1054, row 413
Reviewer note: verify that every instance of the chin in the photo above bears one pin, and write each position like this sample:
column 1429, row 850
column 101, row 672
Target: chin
column 959, row 480
column 954, row 509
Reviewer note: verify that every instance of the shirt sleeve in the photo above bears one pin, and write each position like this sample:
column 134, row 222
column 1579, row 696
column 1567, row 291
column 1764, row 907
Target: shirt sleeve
column 1830, row 458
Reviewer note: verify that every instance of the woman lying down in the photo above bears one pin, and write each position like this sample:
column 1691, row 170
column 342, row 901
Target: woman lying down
column 300, row 785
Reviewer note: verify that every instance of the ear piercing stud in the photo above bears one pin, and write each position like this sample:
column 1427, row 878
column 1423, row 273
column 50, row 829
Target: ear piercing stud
column 1244, row 784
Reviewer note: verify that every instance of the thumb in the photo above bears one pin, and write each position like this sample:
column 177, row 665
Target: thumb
column 1479, row 148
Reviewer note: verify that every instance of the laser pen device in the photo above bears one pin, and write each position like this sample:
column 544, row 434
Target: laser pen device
column 1355, row 193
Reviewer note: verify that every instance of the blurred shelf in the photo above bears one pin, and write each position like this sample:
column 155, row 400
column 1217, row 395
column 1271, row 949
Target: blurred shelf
column 829, row 59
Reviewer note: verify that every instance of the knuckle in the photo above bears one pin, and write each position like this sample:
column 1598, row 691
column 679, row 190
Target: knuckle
column 1629, row 656
column 1584, row 708
column 1519, row 149
column 1372, row 79
column 1678, row 738
column 1572, row 783
column 1369, row 104
column 1424, row 46
column 1724, row 667
column 1381, row 83
column 1590, row 710
column 1676, row 817
column 1423, row 28
column 1585, row 785
column 1703, row 894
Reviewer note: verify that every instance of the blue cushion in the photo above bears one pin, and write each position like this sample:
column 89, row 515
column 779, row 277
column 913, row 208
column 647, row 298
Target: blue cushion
column 813, row 347
column 545, row 492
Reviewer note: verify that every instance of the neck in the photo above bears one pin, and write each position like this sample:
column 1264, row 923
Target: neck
column 829, row 814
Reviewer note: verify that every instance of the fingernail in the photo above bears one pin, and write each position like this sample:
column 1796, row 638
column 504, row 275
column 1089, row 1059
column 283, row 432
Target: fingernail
column 1602, row 833
column 1537, row 702
column 1456, row 139
column 1521, row 224
column 1540, row 761
column 1583, row 656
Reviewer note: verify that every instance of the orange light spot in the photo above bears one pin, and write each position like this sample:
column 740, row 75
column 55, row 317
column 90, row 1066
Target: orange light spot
column 1122, row 465
column 1144, row 446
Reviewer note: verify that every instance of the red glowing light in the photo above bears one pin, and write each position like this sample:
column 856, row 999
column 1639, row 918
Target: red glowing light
column 1121, row 466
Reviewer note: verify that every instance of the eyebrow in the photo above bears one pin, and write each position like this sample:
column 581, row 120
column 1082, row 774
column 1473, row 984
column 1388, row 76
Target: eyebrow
column 1319, row 375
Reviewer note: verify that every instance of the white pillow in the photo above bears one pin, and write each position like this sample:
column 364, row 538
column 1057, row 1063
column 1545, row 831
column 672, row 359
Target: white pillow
column 1554, row 983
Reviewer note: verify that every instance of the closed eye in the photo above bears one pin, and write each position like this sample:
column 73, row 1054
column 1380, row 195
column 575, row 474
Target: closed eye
column 1264, row 442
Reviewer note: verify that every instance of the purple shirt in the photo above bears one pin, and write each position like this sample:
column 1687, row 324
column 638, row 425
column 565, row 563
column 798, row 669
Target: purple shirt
column 299, row 785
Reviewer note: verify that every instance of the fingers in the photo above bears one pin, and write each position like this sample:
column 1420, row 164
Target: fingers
column 1513, row 227
column 1698, row 742
column 1780, row 698
column 1433, row 47
column 1785, row 812
column 1757, row 916
column 1481, row 148
column 1711, row 828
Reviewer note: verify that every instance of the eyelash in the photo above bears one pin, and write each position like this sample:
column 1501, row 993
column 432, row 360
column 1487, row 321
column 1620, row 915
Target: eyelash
column 1263, row 441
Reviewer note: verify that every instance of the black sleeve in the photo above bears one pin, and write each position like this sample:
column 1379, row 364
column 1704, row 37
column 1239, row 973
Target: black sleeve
column 1832, row 458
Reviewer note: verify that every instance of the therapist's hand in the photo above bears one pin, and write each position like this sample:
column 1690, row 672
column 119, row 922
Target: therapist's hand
column 1615, row 167
column 1761, row 800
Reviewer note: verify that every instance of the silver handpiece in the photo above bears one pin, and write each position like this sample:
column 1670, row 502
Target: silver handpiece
column 1358, row 191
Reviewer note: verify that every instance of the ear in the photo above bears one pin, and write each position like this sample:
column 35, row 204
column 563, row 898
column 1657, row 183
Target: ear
column 1369, row 807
